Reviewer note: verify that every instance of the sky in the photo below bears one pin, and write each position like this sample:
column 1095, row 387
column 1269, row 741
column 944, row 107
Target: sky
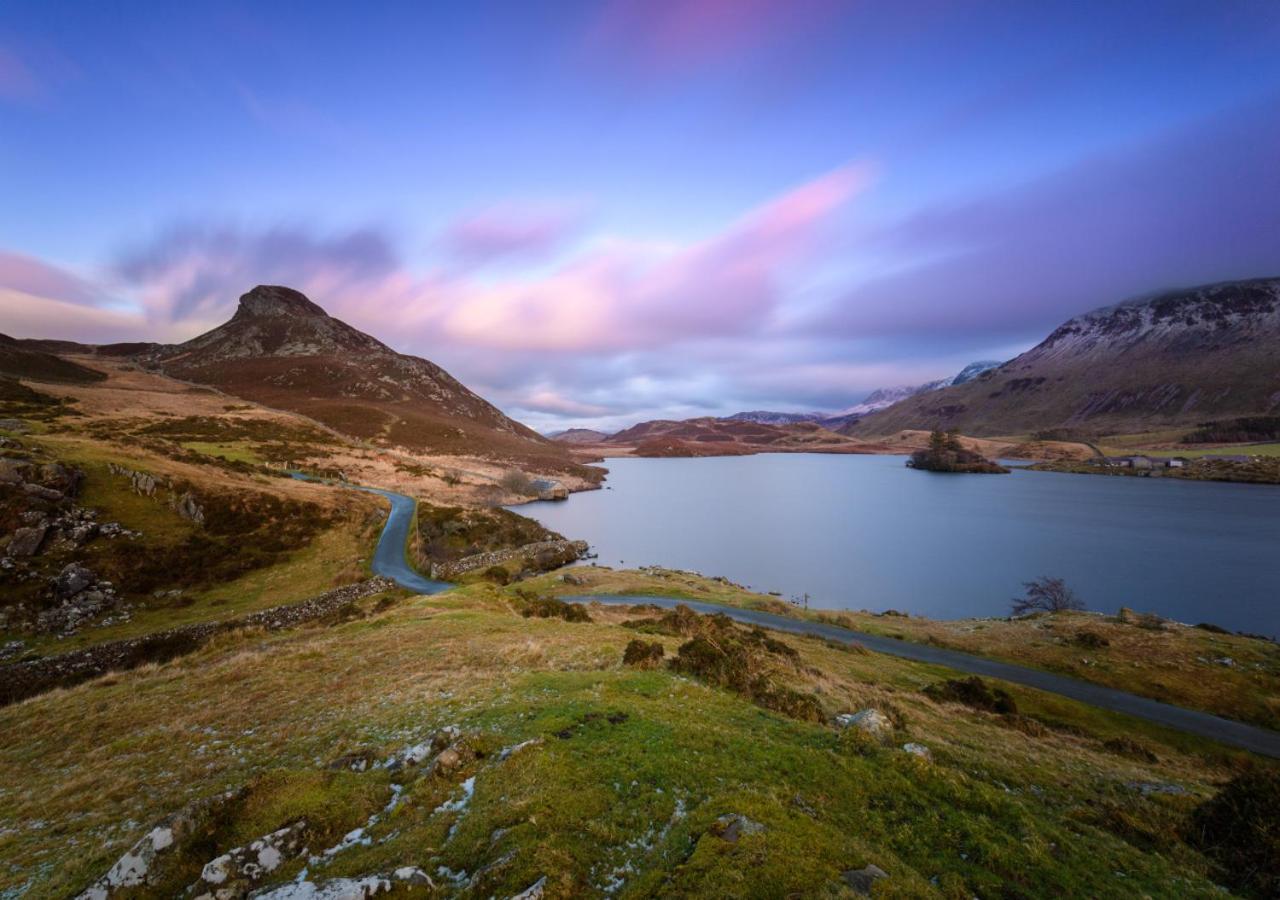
column 596, row 213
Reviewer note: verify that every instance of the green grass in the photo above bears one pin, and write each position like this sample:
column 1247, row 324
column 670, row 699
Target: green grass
column 998, row 813
column 231, row 452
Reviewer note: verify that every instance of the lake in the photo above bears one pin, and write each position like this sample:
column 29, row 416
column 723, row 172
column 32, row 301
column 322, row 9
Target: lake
column 866, row 532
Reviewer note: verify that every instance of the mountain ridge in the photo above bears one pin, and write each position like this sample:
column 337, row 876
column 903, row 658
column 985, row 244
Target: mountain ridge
column 1174, row 358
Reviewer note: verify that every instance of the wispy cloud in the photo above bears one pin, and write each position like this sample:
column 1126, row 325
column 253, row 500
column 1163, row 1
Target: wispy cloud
column 678, row 36
column 511, row 232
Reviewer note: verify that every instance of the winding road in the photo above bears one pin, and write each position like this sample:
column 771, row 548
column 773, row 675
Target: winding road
column 390, row 561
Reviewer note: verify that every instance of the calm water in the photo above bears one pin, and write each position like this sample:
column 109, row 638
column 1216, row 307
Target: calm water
column 865, row 532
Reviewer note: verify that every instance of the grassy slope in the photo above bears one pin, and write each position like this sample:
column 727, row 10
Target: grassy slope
column 335, row 555
column 1175, row 664
column 1000, row 812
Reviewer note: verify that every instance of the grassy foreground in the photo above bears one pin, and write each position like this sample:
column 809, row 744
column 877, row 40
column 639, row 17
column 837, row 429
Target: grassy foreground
column 1231, row 675
column 604, row 779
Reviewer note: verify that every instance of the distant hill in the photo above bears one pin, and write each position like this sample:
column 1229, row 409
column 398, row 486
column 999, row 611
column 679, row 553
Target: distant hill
column 32, row 360
column 876, row 400
column 764, row 417
column 1177, row 358
column 710, row 436
column 578, row 436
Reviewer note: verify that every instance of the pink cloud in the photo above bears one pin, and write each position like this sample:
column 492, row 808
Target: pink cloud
column 677, row 35
column 627, row 295
column 509, row 232
column 615, row 300
column 27, row 275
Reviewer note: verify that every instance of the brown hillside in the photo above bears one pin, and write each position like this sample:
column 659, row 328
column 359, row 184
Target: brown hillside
column 282, row 350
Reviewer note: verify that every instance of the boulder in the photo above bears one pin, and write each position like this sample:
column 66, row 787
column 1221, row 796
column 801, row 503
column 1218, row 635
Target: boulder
column 73, row 579
column 236, row 872
column 860, row 880
column 870, row 720
column 27, row 541
column 919, row 750
column 732, row 826
column 44, row 493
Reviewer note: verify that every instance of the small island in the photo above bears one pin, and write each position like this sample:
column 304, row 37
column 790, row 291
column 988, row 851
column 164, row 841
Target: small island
column 945, row 453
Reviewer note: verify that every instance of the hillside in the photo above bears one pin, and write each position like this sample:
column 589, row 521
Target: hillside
column 1180, row 358
column 27, row 359
column 282, row 350
column 722, row 437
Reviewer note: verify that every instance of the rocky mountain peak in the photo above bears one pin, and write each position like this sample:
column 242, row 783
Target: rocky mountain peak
column 275, row 300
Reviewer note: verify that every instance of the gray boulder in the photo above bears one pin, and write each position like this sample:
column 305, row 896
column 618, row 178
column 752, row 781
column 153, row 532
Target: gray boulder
column 870, row 720
column 862, row 879
column 27, row 541
column 73, row 579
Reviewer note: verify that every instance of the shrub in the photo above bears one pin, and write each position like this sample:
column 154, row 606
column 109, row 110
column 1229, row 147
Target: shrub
column 1046, row 594
column 973, row 692
column 497, row 574
column 643, row 654
column 1240, row 830
column 518, row 482
column 551, row 608
column 1133, row 749
column 1212, row 629
column 1090, row 640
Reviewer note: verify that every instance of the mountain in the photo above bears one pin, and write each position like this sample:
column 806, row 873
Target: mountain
column 282, row 350
column 877, row 399
column 578, row 436
column 764, row 417
column 1177, row 358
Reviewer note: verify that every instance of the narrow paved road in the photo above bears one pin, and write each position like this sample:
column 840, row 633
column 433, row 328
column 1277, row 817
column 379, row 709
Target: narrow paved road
column 390, row 558
column 390, row 561
column 1228, row 731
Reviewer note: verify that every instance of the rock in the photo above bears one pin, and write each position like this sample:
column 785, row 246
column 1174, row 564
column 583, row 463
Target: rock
column 447, row 761
column 27, row 541
column 61, row 478
column 533, row 891
column 236, row 872
column 187, row 507
column 358, row 888
column 1127, row 616
column 919, row 750
column 134, row 868
column 862, row 879
column 44, row 493
column 1226, row 661
column 870, row 720
column 73, row 579
column 732, row 826
column 11, row 471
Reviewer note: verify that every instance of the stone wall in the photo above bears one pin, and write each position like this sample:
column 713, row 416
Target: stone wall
column 541, row 556
column 26, row 679
column 183, row 502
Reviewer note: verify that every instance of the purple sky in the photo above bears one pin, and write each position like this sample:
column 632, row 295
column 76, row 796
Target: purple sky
column 595, row 213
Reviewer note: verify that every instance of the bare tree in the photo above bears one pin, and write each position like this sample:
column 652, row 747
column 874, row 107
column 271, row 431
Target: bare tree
column 1046, row 594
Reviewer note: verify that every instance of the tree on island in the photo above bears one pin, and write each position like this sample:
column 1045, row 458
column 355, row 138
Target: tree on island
column 1045, row 594
column 946, row 454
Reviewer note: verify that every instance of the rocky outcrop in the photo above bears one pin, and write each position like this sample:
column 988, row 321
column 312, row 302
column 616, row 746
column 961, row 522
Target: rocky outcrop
column 542, row 556
column 179, row 499
column 28, row 678
column 235, row 873
column 136, row 869
column 871, row 721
